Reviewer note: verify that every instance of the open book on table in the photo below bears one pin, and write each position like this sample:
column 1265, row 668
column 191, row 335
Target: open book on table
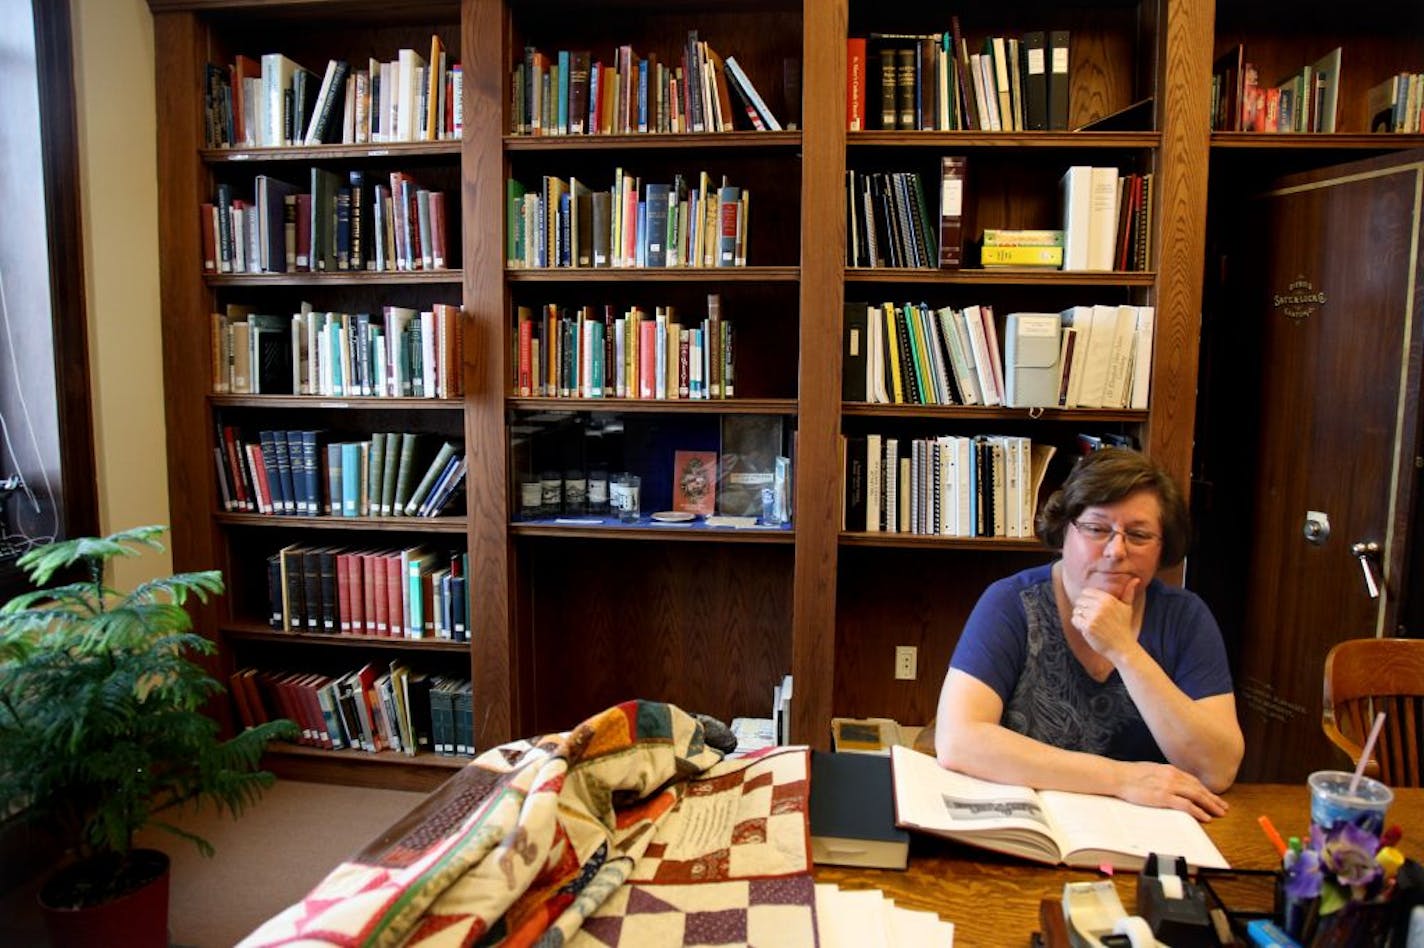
column 1050, row 826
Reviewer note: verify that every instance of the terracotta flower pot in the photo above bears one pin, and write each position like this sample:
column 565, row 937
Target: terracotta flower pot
column 136, row 918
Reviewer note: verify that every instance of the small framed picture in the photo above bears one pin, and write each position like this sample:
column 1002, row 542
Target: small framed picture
column 694, row 481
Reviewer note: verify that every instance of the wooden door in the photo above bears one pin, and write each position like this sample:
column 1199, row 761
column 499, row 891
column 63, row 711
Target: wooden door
column 1338, row 301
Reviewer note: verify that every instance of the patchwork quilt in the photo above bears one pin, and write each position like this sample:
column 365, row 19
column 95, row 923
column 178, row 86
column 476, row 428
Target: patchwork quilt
column 627, row 830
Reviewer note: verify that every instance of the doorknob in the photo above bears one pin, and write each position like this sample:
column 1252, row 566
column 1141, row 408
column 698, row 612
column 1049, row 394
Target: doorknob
column 1367, row 553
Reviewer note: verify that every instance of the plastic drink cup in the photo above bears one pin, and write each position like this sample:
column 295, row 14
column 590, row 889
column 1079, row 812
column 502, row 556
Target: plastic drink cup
column 1331, row 801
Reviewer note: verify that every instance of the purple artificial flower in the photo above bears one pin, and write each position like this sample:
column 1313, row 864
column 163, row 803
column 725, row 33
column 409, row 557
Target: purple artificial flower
column 1303, row 876
column 1348, row 853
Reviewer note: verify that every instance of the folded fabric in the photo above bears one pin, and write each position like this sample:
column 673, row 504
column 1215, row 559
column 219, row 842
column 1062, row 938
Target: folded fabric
column 626, row 829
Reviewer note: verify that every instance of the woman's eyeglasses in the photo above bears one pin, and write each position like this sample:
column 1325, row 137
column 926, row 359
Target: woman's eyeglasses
column 1102, row 533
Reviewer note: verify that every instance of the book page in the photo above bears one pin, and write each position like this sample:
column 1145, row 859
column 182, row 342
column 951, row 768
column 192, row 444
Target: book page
column 994, row 815
column 1097, row 829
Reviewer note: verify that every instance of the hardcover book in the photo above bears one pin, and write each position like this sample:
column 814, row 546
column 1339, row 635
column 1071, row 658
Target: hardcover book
column 852, row 813
column 951, row 211
column 1048, row 826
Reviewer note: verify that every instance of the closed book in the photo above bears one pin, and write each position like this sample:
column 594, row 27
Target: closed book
column 1051, row 257
column 1102, row 218
column 432, row 473
column 951, row 211
column 854, row 358
column 1033, row 63
column 1058, row 98
column 852, row 812
column 1031, row 351
column 855, row 84
column 1075, row 190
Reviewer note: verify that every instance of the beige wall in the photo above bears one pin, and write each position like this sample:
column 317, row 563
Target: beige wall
column 114, row 84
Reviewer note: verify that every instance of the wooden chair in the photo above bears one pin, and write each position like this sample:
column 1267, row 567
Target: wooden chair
column 1363, row 677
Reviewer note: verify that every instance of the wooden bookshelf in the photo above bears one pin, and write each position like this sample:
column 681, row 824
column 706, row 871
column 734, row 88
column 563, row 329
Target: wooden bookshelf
column 570, row 618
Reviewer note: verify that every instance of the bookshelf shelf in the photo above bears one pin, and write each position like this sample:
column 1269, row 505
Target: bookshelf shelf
column 1006, row 276
column 995, row 140
column 339, row 278
column 920, row 542
column 654, row 275
column 982, row 414
column 384, row 758
column 261, row 633
column 1336, row 141
column 352, row 402
column 408, row 524
column 309, row 153
column 646, row 529
column 711, row 406
column 703, row 141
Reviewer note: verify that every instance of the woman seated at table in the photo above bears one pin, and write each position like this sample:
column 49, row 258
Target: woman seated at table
column 1088, row 673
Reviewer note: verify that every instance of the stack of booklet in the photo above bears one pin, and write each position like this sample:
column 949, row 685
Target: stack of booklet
column 865, row 918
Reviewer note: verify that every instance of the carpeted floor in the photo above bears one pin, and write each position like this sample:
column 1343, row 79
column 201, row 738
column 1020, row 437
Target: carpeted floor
column 265, row 860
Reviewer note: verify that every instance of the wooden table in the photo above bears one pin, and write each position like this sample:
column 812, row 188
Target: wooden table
column 993, row 900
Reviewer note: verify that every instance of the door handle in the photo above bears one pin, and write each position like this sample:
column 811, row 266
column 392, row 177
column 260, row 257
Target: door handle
column 1366, row 553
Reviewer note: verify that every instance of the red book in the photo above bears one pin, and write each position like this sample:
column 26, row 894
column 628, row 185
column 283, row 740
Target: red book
column 343, row 593
column 855, row 84
column 395, row 597
column 683, row 352
column 259, row 477
column 647, row 358
column 526, row 343
column 235, row 468
column 243, row 67
column 381, row 595
column 304, row 248
column 368, row 594
column 239, row 698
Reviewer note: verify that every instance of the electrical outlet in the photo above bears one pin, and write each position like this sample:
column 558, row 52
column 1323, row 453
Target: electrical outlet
column 906, row 657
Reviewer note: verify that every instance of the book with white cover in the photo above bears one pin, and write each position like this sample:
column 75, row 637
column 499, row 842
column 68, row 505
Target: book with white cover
column 1102, row 218
column 1075, row 190
column 1119, row 381
column 1048, row 826
column 1142, row 358
column 1098, row 356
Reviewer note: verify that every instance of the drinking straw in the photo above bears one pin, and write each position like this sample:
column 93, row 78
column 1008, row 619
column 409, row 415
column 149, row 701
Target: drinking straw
column 1365, row 754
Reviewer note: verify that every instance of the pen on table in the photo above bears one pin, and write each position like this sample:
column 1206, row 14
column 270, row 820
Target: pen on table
column 1269, row 829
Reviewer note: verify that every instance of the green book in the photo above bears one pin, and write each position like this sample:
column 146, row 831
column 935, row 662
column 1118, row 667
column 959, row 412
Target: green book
column 377, row 470
column 432, row 473
column 404, row 473
column 388, row 476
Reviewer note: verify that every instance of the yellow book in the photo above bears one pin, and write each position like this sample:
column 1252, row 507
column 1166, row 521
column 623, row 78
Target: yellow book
column 892, row 345
column 1022, row 257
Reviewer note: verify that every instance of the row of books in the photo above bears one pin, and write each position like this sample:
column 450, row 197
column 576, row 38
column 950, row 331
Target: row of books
column 889, row 221
column 400, row 352
column 1084, row 357
column 337, row 225
column 959, row 486
column 367, row 709
column 411, row 593
column 275, row 101
column 302, row 474
column 1304, row 101
column 568, row 93
column 1397, row 104
column 567, row 353
column 931, row 81
column 565, row 224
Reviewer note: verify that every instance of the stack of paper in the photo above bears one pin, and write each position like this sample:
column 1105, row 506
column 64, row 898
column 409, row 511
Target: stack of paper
column 865, row 918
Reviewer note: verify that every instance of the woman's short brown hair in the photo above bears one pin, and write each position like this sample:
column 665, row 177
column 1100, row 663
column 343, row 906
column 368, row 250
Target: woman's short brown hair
column 1107, row 476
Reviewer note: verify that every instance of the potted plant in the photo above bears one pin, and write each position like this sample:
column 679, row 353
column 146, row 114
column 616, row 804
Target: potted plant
column 102, row 728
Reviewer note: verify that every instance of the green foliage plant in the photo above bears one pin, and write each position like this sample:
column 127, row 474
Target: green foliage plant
column 101, row 708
